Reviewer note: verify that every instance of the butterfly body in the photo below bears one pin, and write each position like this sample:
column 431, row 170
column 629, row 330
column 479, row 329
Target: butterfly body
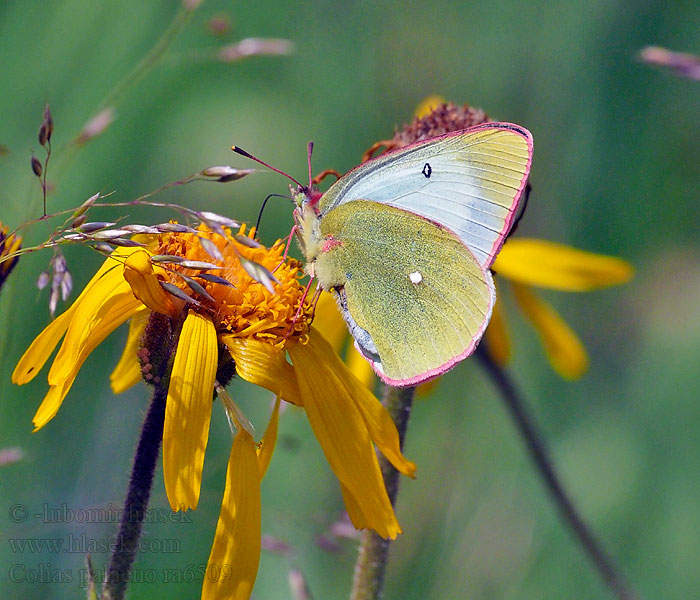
column 405, row 242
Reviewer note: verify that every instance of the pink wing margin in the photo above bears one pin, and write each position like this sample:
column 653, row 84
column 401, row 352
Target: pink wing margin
column 519, row 194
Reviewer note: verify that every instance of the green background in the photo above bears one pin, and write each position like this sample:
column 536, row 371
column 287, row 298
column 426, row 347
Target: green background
column 617, row 146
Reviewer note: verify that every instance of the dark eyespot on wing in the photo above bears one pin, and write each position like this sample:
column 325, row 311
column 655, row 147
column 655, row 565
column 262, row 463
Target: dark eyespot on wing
column 427, row 170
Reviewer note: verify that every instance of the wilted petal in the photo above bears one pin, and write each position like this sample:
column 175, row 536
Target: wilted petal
column 565, row 351
column 188, row 411
column 235, row 553
column 547, row 264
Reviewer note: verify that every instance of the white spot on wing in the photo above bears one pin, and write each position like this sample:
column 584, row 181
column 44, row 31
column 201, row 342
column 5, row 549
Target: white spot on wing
column 415, row 277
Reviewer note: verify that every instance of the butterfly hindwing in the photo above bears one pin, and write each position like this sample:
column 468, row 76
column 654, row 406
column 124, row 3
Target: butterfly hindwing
column 410, row 288
column 469, row 181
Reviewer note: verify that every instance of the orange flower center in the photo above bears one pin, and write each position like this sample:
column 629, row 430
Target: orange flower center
column 246, row 308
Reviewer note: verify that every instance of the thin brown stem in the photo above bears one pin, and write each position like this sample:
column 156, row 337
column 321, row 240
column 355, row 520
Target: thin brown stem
column 540, row 455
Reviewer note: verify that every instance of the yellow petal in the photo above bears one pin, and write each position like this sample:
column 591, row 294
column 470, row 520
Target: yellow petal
column 105, row 306
column 127, row 373
column 329, row 321
column 144, row 282
column 235, row 553
column 428, row 105
column 381, row 428
column 51, row 403
column 547, row 264
column 109, row 316
column 564, row 350
column 264, row 365
column 359, row 367
column 188, row 411
column 354, row 510
column 267, row 445
column 116, row 308
column 42, row 346
column 496, row 336
column 340, row 429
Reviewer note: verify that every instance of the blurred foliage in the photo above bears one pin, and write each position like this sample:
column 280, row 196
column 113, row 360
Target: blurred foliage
column 616, row 171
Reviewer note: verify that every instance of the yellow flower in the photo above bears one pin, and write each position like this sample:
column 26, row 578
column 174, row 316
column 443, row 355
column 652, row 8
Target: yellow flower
column 223, row 314
column 540, row 263
column 8, row 245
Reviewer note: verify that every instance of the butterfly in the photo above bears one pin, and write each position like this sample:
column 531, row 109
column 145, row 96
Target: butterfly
column 405, row 240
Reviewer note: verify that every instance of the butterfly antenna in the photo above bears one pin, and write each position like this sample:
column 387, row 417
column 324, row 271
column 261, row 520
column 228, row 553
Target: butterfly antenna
column 309, row 150
column 242, row 152
column 262, row 208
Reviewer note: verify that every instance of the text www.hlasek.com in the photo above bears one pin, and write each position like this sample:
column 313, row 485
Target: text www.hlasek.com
column 82, row 544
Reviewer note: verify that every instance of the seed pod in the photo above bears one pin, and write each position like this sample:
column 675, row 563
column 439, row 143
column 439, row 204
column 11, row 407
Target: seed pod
column 210, row 248
column 140, row 229
column 43, row 280
column 36, row 166
column 224, row 174
column 259, row 273
column 46, row 128
column 48, row 121
column 97, row 225
column 83, row 208
column 174, row 227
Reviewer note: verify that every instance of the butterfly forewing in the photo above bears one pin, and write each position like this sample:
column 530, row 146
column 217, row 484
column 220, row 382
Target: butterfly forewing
column 469, row 181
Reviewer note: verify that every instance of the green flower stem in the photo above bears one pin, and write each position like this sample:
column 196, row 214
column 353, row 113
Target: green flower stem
column 540, row 455
column 137, row 497
column 373, row 553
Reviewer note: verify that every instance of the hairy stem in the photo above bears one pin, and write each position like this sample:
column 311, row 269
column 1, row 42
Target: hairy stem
column 372, row 556
column 540, row 455
column 137, row 498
